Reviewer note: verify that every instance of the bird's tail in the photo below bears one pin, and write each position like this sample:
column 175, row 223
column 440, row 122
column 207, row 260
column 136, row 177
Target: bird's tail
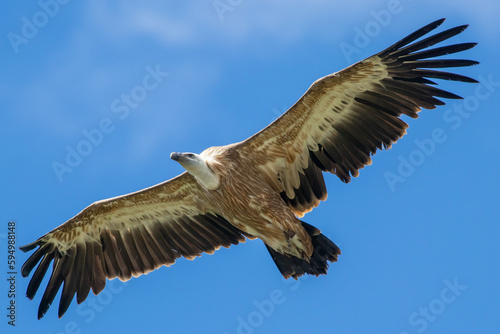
column 324, row 250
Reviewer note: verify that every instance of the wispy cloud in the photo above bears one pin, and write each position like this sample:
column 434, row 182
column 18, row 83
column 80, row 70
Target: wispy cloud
column 174, row 26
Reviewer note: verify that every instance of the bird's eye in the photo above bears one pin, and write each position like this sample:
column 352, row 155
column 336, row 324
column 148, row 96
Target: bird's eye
column 190, row 155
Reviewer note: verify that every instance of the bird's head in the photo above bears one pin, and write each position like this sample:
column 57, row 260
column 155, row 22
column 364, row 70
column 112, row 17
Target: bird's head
column 187, row 159
column 197, row 166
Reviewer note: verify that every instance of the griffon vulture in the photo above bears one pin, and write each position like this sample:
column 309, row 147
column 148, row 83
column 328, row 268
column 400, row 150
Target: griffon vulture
column 257, row 188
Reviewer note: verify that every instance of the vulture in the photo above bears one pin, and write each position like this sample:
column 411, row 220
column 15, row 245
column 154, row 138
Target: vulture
column 257, row 188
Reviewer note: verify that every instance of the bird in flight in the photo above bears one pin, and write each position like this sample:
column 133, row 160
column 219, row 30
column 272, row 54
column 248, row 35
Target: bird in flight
column 257, row 188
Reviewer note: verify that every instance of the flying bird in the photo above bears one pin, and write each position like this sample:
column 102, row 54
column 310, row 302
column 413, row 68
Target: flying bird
column 257, row 188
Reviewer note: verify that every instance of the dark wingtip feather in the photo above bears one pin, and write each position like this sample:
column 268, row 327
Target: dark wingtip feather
column 39, row 274
column 30, row 264
column 33, row 260
column 64, row 304
column 463, row 27
column 28, row 247
column 49, row 295
column 412, row 37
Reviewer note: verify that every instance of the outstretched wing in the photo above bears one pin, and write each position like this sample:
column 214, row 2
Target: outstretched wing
column 123, row 237
column 345, row 117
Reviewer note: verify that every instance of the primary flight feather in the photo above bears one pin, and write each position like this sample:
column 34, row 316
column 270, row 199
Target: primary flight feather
column 257, row 188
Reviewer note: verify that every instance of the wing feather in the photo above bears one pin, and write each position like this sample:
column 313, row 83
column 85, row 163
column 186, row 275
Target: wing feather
column 87, row 275
column 39, row 274
column 55, row 282
column 98, row 275
column 125, row 237
column 111, row 267
column 345, row 117
column 72, row 278
column 152, row 247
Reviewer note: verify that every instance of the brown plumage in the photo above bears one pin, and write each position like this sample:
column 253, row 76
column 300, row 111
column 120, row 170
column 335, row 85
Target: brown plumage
column 257, row 188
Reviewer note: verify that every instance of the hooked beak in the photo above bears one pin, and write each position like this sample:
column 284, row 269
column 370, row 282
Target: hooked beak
column 176, row 156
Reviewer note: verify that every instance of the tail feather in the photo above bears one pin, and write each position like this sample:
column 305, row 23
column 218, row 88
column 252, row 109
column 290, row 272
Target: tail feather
column 324, row 251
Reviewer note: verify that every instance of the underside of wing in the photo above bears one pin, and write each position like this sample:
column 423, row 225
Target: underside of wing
column 123, row 237
column 345, row 117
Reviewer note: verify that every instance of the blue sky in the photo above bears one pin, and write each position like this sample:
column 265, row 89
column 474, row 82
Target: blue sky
column 418, row 256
